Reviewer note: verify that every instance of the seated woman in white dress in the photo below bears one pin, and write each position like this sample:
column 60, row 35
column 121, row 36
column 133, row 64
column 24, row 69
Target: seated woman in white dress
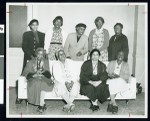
column 118, row 72
column 66, row 85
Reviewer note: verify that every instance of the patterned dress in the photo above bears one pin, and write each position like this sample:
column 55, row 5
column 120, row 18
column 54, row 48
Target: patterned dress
column 56, row 44
column 98, row 41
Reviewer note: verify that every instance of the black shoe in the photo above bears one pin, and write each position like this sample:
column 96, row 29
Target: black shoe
column 109, row 108
column 94, row 107
column 44, row 107
column 18, row 101
column 115, row 109
column 41, row 109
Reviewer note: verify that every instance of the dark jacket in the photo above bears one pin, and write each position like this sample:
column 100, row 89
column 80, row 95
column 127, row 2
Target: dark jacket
column 29, row 45
column 101, row 92
column 86, row 74
column 120, row 43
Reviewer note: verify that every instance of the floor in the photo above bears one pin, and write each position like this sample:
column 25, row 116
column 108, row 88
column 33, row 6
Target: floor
column 134, row 107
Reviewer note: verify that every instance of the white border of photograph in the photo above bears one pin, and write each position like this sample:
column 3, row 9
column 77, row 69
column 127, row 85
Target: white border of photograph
column 77, row 116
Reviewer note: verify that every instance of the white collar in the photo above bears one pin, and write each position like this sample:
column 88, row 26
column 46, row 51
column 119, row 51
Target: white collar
column 99, row 31
column 118, row 64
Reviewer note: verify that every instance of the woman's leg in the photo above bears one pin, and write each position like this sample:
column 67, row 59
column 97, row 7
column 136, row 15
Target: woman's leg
column 112, row 97
column 42, row 97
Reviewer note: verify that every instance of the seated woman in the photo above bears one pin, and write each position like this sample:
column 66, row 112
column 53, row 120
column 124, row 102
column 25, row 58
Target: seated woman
column 38, row 76
column 118, row 72
column 93, row 78
column 66, row 84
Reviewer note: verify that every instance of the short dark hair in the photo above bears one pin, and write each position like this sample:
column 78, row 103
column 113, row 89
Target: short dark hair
column 99, row 18
column 56, row 18
column 94, row 50
column 118, row 24
column 81, row 25
column 32, row 21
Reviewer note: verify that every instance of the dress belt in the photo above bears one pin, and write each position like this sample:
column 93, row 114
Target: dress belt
column 56, row 43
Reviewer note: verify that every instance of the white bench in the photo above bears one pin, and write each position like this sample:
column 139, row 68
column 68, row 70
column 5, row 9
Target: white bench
column 130, row 93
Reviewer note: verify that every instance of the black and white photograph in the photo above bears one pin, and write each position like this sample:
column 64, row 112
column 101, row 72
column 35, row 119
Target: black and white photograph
column 80, row 60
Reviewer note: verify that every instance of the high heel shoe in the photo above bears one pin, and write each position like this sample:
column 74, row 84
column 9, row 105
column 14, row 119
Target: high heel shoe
column 41, row 109
column 66, row 108
column 109, row 108
column 94, row 107
column 18, row 101
column 72, row 107
column 26, row 101
column 115, row 109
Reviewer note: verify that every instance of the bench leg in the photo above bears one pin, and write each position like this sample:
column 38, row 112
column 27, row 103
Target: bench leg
column 127, row 101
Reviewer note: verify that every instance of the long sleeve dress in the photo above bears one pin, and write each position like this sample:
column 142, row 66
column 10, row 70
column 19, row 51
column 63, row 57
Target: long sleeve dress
column 30, row 42
column 117, row 43
column 54, row 41
column 36, row 84
column 99, row 39
column 63, row 73
column 101, row 92
column 118, row 85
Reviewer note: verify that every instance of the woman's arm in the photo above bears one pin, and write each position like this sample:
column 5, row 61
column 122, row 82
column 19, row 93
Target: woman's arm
column 85, row 49
column 84, row 77
column 90, row 40
column 25, row 47
column 125, row 73
column 125, row 48
column 104, row 74
column 66, row 46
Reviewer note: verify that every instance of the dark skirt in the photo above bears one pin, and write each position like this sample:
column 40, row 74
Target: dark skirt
column 101, row 92
column 35, row 86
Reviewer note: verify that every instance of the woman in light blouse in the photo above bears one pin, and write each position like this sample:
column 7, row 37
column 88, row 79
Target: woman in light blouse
column 99, row 39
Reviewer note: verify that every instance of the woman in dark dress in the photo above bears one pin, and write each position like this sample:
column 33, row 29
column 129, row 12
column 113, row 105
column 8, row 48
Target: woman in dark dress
column 31, row 40
column 117, row 42
column 93, row 78
column 38, row 76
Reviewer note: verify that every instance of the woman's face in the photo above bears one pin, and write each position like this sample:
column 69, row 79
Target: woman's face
column 40, row 55
column 80, row 30
column 95, row 56
column 120, row 56
column 34, row 26
column 118, row 29
column 99, row 24
column 58, row 23
column 61, row 56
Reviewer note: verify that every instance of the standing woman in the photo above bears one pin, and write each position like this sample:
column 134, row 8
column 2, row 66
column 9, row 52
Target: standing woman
column 117, row 42
column 54, row 38
column 31, row 41
column 99, row 39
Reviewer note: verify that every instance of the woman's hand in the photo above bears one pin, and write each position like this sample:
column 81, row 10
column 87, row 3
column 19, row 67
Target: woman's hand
column 95, row 83
column 113, row 75
column 79, row 53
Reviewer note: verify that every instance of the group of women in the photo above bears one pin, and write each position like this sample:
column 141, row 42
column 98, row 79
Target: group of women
column 97, row 81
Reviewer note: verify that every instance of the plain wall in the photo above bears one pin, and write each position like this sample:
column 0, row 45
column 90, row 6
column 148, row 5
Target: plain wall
column 141, row 47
